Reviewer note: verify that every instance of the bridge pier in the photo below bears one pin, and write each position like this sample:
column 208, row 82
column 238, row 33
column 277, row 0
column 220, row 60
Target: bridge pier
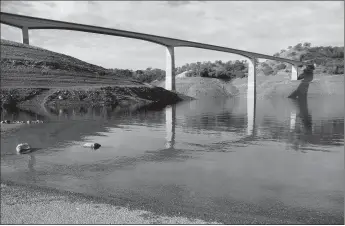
column 25, row 33
column 170, row 124
column 170, row 69
column 294, row 72
column 251, row 96
column 251, row 78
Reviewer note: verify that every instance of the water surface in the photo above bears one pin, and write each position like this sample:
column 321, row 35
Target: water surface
column 281, row 162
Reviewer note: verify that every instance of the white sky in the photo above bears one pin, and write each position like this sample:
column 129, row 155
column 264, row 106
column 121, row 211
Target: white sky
column 264, row 27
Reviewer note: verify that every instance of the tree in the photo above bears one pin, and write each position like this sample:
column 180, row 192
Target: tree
column 307, row 44
column 298, row 46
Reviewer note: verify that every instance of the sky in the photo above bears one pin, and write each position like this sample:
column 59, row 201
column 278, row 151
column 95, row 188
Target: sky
column 258, row 26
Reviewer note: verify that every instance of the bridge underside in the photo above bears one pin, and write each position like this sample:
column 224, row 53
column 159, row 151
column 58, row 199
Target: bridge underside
column 25, row 23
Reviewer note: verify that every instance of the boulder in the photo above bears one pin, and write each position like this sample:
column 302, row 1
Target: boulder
column 23, row 148
column 92, row 145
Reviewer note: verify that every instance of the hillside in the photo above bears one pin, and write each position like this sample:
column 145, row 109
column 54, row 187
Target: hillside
column 32, row 76
column 328, row 60
column 25, row 65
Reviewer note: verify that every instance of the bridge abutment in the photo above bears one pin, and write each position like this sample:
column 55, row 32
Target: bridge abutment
column 294, row 73
column 25, row 33
column 170, row 69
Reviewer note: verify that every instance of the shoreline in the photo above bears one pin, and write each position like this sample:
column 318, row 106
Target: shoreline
column 111, row 97
column 26, row 204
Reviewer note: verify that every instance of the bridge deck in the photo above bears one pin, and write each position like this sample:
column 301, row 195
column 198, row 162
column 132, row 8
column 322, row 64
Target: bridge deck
column 21, row 21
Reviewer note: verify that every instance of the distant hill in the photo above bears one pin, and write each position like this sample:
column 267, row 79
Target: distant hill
column 329, row 60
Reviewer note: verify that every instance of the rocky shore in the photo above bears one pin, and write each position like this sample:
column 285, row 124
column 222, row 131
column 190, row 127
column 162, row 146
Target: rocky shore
column 31, row 205
column 110, row 96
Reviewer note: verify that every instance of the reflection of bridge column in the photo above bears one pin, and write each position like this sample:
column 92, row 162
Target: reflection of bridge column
column 294, row 72
column 251, row 96
column 292, row 120
column 25, row 32
column 251, row 112
column 170, row 124
column 170, row 69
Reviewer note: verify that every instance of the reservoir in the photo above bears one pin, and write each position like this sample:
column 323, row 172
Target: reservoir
column 277, row 161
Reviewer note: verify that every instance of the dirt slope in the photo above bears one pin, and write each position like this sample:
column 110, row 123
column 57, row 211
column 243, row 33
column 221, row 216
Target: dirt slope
column 35, row 76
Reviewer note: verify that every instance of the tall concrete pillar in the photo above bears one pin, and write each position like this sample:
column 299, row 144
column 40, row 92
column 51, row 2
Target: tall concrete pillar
column 170, row 69
column 170, row 124
column 251, row 78
column 294, row 73
column 251, row 96
column 25, row 32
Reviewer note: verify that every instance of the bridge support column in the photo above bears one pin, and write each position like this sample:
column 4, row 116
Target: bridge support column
column 294, row 73
column 251, row 78
column 170, row 69
column 170, row 124
column 251, row 96
column 25, row 33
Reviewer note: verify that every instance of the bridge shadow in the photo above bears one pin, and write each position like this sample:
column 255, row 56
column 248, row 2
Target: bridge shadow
column 302, row 89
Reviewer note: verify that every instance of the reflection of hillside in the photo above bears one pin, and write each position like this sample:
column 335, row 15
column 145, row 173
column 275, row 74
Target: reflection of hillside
column 272, row 120
column 305, row 129
column 64, row 126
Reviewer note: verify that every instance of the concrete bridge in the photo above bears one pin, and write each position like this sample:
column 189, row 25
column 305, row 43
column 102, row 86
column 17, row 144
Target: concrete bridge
column 25, row 23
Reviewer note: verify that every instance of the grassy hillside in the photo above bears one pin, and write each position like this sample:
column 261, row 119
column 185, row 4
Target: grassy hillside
column 24, row 65
column 32, row 76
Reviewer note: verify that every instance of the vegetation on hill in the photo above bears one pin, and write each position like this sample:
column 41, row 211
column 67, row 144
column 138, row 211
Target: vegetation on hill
column 147, row 75
column 329, row 60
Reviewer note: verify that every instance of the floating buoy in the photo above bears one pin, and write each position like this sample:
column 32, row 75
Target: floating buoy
column 92, row 145
column 23, row 148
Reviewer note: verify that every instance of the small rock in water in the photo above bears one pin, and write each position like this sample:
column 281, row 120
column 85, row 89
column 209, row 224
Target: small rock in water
column 92, row 145
column 23, row 148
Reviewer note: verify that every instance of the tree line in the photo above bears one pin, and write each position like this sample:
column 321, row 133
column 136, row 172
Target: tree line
column 331, row 60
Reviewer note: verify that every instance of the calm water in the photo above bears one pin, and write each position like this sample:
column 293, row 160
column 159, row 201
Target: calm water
column 282, row 161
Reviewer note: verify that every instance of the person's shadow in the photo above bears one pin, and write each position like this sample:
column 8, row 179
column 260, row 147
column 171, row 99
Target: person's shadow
column 302, row 89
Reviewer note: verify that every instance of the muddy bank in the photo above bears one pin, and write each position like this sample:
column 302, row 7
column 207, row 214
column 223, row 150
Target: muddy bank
column 198, row 87
column 110, row 96
column 281, row 86
column 267, row 86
